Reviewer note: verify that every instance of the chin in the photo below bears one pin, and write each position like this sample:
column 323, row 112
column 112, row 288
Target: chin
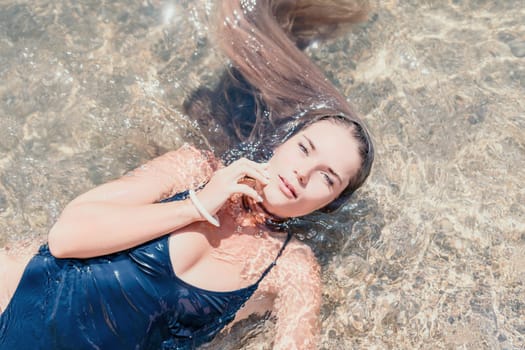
column 274, row 210
column 276, row 203
column 285, row 209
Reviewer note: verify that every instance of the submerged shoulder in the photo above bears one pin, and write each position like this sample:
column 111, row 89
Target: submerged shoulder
column 193, row 166
column 193, row 157
column 187, row 165
column 299, row 259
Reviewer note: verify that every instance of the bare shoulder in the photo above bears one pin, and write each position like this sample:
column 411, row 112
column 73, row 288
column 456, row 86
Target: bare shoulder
column 190, row 153
column 182, row 168
column 189, row 158
column 298, row 252
column 297, row 267
column 296, row 276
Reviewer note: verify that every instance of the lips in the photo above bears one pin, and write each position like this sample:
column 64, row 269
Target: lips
column 287, row 188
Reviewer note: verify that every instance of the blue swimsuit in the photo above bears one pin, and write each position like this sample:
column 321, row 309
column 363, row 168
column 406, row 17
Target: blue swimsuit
column 127, row 300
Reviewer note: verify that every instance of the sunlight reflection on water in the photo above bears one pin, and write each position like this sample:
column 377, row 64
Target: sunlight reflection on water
column 429, row 254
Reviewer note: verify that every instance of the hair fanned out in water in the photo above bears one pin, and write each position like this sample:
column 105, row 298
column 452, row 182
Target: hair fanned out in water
column 272, row 89
column 263, row 39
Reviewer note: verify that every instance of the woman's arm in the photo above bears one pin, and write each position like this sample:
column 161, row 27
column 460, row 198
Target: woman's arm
column 125, row 213
column 297, row 286
column 122, row 214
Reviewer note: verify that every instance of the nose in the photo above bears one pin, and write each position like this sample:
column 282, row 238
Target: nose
column 303, row 175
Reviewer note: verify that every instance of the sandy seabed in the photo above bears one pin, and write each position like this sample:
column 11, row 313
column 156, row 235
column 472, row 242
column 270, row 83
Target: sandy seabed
column 433, row 255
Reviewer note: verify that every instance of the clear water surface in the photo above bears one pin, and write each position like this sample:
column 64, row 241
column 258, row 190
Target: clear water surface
column 428, row 255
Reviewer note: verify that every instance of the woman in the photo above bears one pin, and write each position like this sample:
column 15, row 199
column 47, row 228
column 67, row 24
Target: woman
column 168, row 255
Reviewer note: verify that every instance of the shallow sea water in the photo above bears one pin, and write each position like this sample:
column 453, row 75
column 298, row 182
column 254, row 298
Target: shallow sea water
column 432, row 254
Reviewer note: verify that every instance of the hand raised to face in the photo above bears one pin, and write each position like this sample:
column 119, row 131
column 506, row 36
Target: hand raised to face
column 228, row 181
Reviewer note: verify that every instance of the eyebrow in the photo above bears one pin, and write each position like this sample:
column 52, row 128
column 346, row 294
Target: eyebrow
column 330, row 170
column 310, row 142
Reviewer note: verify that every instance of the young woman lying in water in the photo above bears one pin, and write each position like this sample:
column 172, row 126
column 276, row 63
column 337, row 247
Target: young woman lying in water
column 168, row 255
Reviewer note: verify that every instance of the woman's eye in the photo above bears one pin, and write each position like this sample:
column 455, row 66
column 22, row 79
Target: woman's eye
column 303, row 148
column 328, row 180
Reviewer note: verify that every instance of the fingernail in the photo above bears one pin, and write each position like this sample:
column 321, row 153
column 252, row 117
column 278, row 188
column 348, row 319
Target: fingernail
column 259, row 199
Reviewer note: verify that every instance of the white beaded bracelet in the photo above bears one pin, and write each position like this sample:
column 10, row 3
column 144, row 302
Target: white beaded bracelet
column 214, row 220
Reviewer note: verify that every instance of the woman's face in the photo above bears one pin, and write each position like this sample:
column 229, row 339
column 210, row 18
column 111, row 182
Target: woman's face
column 311, row 169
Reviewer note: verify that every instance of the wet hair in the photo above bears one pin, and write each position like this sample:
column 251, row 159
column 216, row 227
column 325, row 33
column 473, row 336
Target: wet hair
column 272, row 89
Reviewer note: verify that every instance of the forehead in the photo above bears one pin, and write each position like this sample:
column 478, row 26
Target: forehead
column 335, row 145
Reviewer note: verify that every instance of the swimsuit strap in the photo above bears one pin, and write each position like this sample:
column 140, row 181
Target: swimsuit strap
column 184, row 194
column 179, row 196
column 269, row 268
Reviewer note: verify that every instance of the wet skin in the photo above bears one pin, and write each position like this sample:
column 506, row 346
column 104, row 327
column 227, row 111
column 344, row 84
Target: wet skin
column 310, row 169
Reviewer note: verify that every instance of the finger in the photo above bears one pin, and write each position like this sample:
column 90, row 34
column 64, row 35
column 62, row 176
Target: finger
column 247, row 190
column 262, row 167
column 254, row 174
column 265, row 169
column 243, row 164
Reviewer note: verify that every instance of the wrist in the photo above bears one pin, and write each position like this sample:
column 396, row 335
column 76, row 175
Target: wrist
column 202, row 211
column 193, row 213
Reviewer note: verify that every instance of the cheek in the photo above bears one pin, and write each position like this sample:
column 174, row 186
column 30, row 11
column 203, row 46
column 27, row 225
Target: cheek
column 319, row 194
column 317, row 187
column 283, row 154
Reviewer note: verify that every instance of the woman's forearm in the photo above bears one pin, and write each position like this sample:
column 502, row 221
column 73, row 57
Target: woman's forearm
column 97, row 228
column 123, row 213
